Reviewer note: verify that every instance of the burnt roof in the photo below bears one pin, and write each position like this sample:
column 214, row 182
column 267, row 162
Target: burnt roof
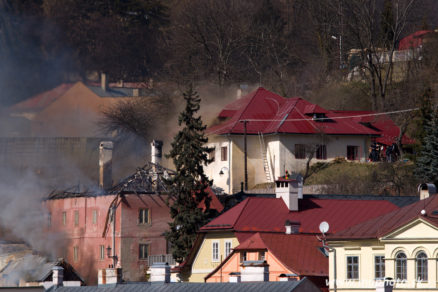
column 149, row 179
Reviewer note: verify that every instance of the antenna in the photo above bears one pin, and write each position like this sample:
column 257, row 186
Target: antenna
column 324, row 227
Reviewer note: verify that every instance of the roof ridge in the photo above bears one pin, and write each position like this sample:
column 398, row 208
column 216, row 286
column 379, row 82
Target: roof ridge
column 241, row 211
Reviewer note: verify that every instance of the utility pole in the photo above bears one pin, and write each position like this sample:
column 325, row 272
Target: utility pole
column 245, row 155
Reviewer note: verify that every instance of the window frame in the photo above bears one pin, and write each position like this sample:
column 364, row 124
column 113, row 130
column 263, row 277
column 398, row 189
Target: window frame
column 227, row 251
column 354, row 273
column 355, row 153
column 421, row 267
column 243, row 256
column 142, row 219
column 379, row 267
column 143, row 251
column 215, row 251
column 94, row 217
column 224, row 153
column 76, row 217
column 64, row 218
column 321, row 152
column 75, row 253
column 101, row 252
column 401, row 265
column 300, row 151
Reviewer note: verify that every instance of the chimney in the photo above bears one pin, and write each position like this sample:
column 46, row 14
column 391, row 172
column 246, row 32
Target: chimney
column 290, row 191
column 105, row 164
column 288, row 277
column 57, row 276
column 104, row 81
column 160, row 272
column 135, row 92
column 156, row 151
column 426, row 190
column 234, row 277
column 109, row 276
column 254, row 271
column 292, row 227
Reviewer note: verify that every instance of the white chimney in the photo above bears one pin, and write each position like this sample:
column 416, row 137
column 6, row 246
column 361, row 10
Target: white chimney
column 109, row 276
column 135, row 92
column 57, row 276
column 104, row 81
column 156, row 151
column 426, row 190
column 254, row 271
column 290, row 191
column 234, row 277
column 105, row 164
column 160, row 272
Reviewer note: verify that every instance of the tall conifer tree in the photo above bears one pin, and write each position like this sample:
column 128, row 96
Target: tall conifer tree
column 188, row 186
column 427, row 161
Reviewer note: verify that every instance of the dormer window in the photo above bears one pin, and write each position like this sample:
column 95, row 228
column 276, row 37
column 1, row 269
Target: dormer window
column 320, row 117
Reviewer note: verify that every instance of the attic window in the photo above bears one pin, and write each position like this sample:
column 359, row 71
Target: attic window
column 319, row 117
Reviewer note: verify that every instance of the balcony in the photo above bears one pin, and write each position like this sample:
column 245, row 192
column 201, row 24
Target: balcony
column 161, row 258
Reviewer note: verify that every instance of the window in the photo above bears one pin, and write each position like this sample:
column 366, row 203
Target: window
column 75, row 253
column 300, row 151
column 224, row 153
column 321, row 152
column 352, row 152
column 379, row 267
column 243, row 256
column 421, row 264
column 64, row 218
column 212, row 154
column 353, row 267
column 102, row 252
column 94, row 216
column 215, row 251
column 143, row 251
column 76, row 218
column 49, row 220
column 261, row 255
column 400, row 266
column 227, row 248
column 143, row 216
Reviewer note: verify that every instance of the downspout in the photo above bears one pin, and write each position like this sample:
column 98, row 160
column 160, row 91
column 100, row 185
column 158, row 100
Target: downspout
column 114, row 236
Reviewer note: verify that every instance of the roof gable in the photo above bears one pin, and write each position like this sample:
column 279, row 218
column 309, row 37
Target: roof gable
column 418, row 228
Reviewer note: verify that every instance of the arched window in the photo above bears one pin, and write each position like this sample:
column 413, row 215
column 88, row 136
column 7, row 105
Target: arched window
column 400, row 266
column 421, row 264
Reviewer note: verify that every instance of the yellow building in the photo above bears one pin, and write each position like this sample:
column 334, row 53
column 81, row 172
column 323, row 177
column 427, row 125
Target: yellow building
column 401, row 247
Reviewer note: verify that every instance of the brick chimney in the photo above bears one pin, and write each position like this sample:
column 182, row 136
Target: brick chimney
column 57, row 276
column 254, row 271
column 156, row 151
column 105, row 164
column 290, row 190
column 160, row 272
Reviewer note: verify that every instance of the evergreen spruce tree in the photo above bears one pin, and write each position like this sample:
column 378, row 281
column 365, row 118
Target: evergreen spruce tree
column 188, row 186
column 427, row 160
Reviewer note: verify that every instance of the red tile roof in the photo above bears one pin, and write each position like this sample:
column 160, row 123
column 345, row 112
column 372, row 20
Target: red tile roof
column 270, row 214
column 413, row 40
column 42, row 100
column 298, row 252
column 382, row 225
column 387, row 129
column 268, row 112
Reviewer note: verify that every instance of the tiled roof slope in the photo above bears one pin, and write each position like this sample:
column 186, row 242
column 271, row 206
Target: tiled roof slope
column 268, row 112
column 269, row 214
column 388, row 130
column 298, row 252
column 382, row 225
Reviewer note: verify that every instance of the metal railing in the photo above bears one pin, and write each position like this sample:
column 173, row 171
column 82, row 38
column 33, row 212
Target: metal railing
column 161, row 258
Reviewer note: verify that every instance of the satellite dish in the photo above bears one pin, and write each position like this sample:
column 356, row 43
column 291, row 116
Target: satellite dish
column 323, row 227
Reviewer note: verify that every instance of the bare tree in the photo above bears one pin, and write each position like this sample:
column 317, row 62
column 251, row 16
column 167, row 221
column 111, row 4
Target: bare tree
column 376, row 36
